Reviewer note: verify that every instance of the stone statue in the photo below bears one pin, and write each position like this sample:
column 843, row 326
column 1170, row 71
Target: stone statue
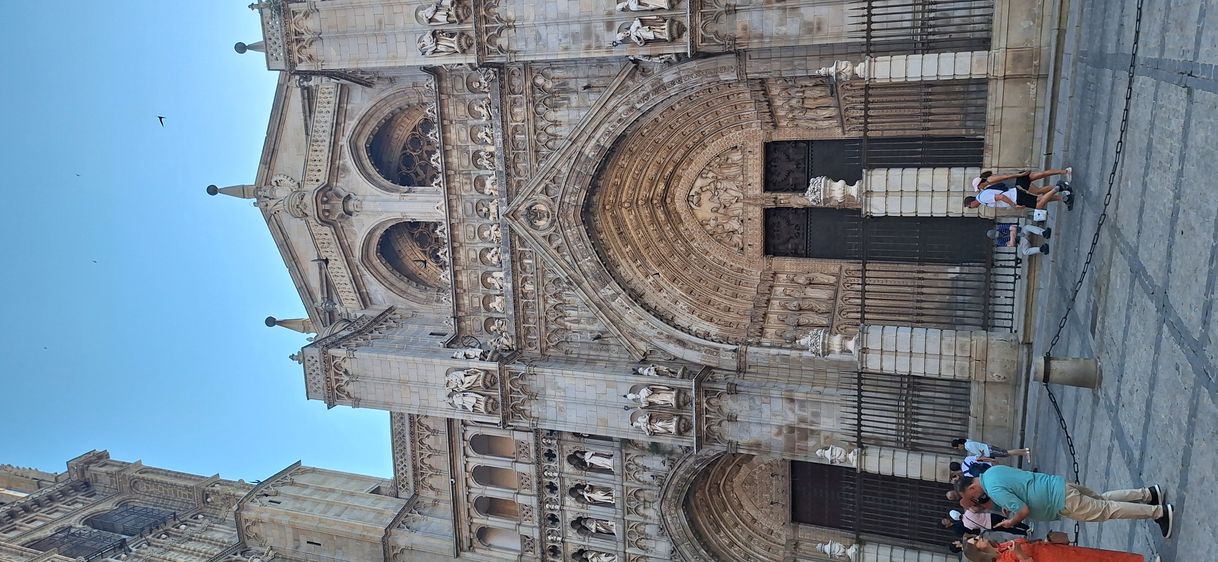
column 654, row 394
column 595, row 525
column 496, row 303
column 646, row 30
column 595, row 495
column 660, row 424
column 491, row 256
column 834, row 549
column 437, row 43
column 643, row 5
column 654, row 370
column 465, row 379
column 591, row 459
column 471, row 353
column 595, row 556
column 468, row 401
column 657, row 59
column 493, row 280
column 484, row 159
column 838, row 455
column 484, row 134
column 440, row 13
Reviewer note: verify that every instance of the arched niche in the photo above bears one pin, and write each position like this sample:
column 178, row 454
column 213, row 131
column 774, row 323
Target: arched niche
column 497, row 507
column 395, row 143
column 409, row 258
column 498, row 446
column 496, row 477
column 499, row 539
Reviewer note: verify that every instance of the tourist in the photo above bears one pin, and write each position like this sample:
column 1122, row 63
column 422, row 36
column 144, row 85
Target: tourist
column 978, row 522
column 1047, row 497
column 1007, row 237
column 1054, row 549
column 1016, row 190
column 954, row 524
column 988, row 453
column 970, row 466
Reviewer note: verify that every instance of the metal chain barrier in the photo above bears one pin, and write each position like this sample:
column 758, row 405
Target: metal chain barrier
column 1095, row 240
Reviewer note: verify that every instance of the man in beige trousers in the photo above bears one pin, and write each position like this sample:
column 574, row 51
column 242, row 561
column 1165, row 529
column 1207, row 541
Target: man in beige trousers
column 1047, row 497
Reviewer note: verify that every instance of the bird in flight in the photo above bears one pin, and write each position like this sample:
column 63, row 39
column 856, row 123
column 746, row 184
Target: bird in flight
column 161, row 118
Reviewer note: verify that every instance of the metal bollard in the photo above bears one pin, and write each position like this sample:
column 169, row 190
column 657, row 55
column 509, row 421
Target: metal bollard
column 1083, row 372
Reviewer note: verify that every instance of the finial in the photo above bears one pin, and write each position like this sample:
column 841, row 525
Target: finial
column 241, row 47
column 244, row 191
column 302, row 325
column 212, row 189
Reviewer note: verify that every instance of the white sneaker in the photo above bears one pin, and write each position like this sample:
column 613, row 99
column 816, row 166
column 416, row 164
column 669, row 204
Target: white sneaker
column 1069, row 173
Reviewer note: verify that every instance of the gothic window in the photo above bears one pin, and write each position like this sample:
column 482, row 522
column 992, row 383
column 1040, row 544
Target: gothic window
column 497, row 507
column 495, row 477
column 81, row 542
column 789, row 165
column 845, row 234
column 493, row 446
column 129, row 520
column 403, row 146
column 499, row 539
column 412, row 252
column 836, row 496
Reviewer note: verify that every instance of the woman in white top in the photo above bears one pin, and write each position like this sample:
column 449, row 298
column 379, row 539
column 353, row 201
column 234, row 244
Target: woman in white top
column 1016, row 190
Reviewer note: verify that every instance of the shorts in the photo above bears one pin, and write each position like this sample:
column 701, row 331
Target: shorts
column 1024, row 181
column 1024, row 199
column 998, row 452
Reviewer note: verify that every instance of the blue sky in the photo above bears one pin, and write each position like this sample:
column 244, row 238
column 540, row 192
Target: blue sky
column 134, row 301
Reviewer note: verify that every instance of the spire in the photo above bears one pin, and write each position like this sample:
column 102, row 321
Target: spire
column 239, row 191
column 302, row 325
column 241, row 48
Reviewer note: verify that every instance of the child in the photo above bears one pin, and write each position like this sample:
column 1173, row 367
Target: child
column 1008, row 237
column 1053, row 549
column 988, row 453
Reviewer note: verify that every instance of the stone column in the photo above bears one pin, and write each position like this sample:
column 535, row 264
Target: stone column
column 913, row 68
column 936, row 353
column 917, row 192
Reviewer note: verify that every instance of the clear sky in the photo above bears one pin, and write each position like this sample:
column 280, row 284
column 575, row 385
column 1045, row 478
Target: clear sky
column 134, row 308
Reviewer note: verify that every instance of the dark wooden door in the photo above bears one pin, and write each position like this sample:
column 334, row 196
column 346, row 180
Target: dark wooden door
column 844, row 234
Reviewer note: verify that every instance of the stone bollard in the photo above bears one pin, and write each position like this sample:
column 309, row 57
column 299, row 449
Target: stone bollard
column 1083, row 372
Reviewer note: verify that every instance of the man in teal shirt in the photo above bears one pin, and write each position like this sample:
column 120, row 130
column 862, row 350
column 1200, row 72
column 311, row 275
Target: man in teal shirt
column 1046, row 497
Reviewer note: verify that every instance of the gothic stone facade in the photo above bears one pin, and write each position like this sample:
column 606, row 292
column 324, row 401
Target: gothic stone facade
column 643, row 281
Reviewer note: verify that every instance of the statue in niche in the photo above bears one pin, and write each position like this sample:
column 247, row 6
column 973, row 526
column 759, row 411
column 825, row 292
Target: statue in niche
column 487, row 209
column 593, row 556
column 493, row 279
column 654, row 370
column 483, row 133
column 490, row 256
column 486, row 185
column 594, row 525
column 807, row 291
column 643, row 5
column 439, row 13
column 657, row 424
column 465, row 379
column 644, row 30
column 437, row 43
column 480, row 109
column 659, row 395
column 593, row 495
column 471, row 353
column 838, row 455
column 585, row 460
column 468, row 401
column 484, row 159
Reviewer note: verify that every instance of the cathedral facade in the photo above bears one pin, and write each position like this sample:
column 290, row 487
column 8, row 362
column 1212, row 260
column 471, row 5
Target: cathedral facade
column 637, row 281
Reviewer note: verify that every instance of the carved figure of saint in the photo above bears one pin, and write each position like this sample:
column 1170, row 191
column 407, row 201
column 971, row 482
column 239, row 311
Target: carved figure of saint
column 440, row 13
column 838, row 455
column 470, row 353
column 595, row 495
column 645, row 30
column 465, row 379
column 595, row 525
column 484, row 159
column 658, row 425
column 494, row 279
column 468, row 401
column 591, row 459
column 654, row 394
column 595, row 556
column 643, row 5
column 436, row 43
column 654, row 370
column 491, row 256
column 484, row 134
column 495, row 303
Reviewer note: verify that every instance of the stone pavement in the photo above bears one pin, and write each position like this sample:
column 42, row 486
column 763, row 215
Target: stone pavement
column 1146, row 309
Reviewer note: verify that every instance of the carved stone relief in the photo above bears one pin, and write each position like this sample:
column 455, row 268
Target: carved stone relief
column 717, row 198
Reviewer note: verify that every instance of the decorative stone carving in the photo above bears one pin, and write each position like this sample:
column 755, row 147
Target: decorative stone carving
column 823, row 192
column 585, row 555
column 654, row 394
column 591, row 460
column 469, row 402
column 643, row 5
column 594, row 525
column 494, row 303
column 837, row 550
column 592, row 494
column 493, row 279
column 842, row 71
column 717, row 198
column 491, row 256
column 471, row 353
column 468, row 379
column 838, row 455
column 822, row 343
column 438, row 42
column 539, row 215
column 646, row 29
column 441, row 12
